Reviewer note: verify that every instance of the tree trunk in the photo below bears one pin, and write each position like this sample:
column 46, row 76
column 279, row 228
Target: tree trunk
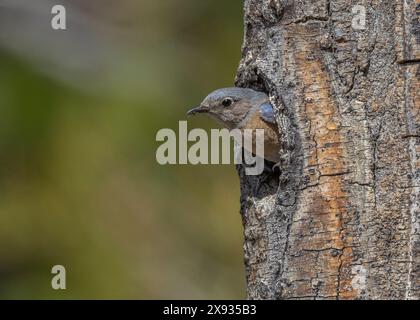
column 341, row 221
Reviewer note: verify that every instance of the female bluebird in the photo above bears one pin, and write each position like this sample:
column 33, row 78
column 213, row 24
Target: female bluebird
column 242, row 108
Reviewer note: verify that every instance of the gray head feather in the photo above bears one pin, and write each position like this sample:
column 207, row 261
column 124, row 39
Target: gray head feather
column 230, row 105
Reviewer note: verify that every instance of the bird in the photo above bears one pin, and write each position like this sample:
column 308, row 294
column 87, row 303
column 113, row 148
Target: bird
column 244, row 108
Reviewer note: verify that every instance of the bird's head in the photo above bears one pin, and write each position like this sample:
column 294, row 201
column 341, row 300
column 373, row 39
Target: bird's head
column 229, row 105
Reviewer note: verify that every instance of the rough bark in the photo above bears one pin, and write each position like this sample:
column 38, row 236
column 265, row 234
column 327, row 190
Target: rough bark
column 341, row 220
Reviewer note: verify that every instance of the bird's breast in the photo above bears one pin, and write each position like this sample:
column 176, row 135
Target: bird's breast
column 271, row 137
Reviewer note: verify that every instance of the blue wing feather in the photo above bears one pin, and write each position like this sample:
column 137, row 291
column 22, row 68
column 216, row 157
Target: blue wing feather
column 267, row 113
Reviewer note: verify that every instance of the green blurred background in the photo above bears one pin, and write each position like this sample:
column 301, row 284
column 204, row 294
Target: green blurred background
column 79, row 183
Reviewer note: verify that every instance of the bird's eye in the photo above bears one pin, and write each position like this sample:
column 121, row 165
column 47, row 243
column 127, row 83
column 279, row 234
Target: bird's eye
column 227, row 102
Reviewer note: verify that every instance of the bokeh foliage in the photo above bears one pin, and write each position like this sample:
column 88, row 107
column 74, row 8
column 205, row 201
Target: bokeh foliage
column 79, row 184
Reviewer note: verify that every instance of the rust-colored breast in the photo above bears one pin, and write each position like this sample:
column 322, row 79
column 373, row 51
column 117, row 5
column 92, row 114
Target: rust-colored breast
column 271, row 137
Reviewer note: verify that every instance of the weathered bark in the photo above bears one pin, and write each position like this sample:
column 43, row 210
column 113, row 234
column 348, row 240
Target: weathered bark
column 342, row 219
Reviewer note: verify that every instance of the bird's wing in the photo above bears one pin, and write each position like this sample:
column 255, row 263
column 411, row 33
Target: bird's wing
column 267, row 113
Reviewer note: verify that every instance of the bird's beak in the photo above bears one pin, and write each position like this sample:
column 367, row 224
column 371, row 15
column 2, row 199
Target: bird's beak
column 199, row 109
